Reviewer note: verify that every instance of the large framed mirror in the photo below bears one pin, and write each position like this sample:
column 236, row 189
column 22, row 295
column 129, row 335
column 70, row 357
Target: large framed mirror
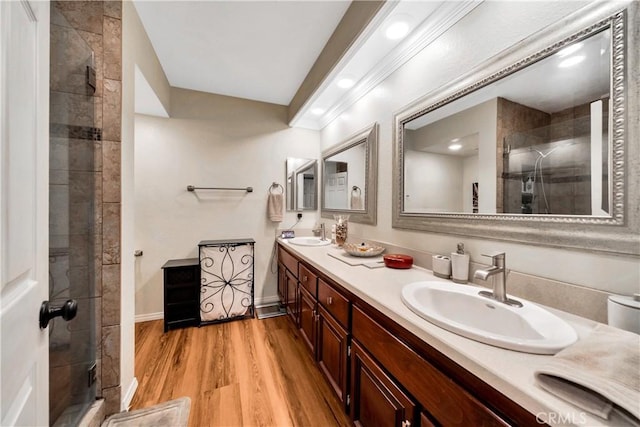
column 301, row 187
column 532, row 146
column 350, row 177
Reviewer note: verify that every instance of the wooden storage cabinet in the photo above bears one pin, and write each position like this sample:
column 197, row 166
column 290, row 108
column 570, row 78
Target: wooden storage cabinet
column 446, row 401
column 383, row 380
column 332, row 352
column 292, row 297
column 307, row 319
column 376, row 400
column 282, row 285
column 181, row 293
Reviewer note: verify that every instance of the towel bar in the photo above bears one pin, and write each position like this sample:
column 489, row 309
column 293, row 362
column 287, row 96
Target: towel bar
column 192, row 188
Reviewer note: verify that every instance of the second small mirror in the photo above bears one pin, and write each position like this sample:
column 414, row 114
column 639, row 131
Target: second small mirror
column 350, row 179
column 302, row 175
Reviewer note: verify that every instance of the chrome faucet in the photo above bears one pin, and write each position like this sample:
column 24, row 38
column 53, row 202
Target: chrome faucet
column 498, row 273
column 323, row 232
column 320, row 230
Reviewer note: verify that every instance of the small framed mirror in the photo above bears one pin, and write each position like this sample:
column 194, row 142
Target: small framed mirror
column 350, row 176
column 301, row 184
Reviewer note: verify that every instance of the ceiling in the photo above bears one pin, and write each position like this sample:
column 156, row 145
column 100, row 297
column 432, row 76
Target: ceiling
column 259, row 50
column 263, row 50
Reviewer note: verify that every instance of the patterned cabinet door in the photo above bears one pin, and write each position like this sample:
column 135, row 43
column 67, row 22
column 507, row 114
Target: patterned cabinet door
column 226, row 280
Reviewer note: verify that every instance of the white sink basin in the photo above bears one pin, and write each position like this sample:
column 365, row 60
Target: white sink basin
column 459, row 309
column 309, row 241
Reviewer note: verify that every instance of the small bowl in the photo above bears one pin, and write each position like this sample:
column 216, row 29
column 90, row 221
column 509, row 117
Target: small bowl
column 398, row 261
column 362, row 250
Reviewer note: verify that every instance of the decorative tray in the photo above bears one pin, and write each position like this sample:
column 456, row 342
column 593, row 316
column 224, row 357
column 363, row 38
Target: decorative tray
column 362, row 249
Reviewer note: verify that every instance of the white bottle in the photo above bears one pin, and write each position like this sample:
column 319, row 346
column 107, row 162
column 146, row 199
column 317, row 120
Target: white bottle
column 460, row 265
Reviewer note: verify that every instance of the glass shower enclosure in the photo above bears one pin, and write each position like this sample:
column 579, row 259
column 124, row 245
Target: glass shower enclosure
column 73, row 218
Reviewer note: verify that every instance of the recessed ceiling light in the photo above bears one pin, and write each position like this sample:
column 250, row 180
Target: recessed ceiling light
column 346, row 82
column 455, row 147
column 570, row 62
column 397, row 30
column 569, row 50
column 317, row 111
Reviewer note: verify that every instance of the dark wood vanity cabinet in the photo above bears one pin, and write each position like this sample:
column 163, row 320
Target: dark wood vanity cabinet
column 307, row 319
column 382, row 373
column 376, row 400
column 333, row 352
column 282, row 285
column 181, row 293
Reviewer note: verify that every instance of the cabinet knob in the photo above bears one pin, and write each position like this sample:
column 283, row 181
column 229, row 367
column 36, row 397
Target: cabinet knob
column 304, row 278
column 329, row 300
column 406, row 423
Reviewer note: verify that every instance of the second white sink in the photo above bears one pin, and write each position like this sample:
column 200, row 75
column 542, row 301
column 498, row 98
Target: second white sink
column 309, row 241
column 459, row 309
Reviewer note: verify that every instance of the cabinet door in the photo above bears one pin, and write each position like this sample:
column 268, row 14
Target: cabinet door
column 307, row 322
column 333, row 340
column 292, row 297
column 375, row 399
column 282, row 284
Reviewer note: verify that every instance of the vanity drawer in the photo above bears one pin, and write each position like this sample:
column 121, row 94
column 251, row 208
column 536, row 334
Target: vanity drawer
column 334, row 302
column 441, row 397
column 288, row 260
column 308, row 280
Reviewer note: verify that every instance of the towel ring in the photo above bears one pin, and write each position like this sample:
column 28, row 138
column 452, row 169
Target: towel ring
column 356, row 188
column 276, row 185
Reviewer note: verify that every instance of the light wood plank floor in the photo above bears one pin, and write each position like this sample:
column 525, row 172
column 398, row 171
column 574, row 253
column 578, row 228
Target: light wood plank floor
column 241, row 373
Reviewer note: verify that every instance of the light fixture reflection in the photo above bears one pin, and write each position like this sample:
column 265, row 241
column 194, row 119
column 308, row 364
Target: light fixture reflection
column 345, row 83
column 455, row 147
column 397, row 30
column 570, row 62
column 569, row 50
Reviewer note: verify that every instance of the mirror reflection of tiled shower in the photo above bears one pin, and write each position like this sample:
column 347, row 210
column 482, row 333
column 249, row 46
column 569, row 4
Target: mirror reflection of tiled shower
column 552, row 168
column 73, row 231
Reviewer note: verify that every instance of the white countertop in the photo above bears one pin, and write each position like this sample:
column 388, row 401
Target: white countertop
column 510, row 372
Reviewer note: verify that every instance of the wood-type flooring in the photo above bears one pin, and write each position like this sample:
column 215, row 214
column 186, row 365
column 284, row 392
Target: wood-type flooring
column 240, row 373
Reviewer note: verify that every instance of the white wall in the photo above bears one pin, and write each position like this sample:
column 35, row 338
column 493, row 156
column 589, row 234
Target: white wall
column 136, row 52
column 481, row 120
column 435, row 183
column 211, row 141
column 487, row 30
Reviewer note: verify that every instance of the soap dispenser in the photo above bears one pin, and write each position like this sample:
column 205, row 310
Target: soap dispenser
column 460, row 265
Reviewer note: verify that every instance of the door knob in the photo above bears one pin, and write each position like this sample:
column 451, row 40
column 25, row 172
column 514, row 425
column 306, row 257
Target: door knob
column 68, row 311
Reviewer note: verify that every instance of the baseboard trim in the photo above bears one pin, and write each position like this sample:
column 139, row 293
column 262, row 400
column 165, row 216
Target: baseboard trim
column 260, row 302
column 128, row 397
column 149, row 316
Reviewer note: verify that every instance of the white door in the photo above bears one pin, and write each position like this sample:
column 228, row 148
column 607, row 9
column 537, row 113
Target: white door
column 24, row 89
column 336, row 193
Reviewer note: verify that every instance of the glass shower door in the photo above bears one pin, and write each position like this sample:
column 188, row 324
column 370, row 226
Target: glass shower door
column 73, row 184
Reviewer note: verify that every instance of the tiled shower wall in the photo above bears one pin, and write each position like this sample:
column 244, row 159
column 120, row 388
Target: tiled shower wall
column 99, row 23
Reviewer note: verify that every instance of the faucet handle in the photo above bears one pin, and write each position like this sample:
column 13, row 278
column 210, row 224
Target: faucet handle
column 496, row 258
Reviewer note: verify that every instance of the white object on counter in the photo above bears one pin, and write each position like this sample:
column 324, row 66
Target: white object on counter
column 624, row 312
column 460, row 265
column 441, row 266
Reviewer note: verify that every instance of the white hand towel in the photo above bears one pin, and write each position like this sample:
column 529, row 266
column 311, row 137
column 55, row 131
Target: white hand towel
column 600, row 374
column 274, row 207
column 357, row 202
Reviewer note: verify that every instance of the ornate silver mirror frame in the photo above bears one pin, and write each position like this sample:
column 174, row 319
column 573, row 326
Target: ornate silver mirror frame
column 619, row 233
column 368, row 215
